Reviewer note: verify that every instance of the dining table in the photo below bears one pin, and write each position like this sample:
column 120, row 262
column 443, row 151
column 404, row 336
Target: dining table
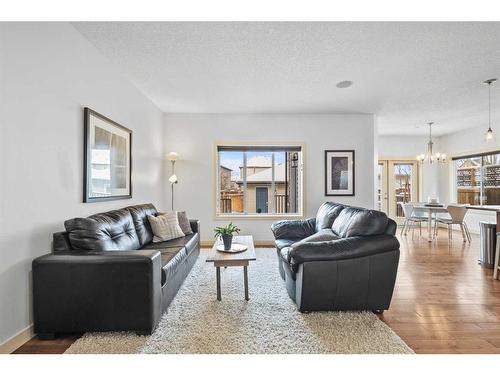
column 430, row 210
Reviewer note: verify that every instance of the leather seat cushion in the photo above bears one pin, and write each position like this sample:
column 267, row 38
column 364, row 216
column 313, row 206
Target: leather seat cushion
column 327, row 213
column 189, row 242
column 113, row 230
column 171, row 260
column 322, row 235
column 355, row 221
column 140, row 217
column 281, row 243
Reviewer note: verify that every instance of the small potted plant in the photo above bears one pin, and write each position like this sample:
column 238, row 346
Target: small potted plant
column 226, row 233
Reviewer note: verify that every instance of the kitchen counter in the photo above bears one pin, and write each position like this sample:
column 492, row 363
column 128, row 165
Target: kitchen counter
column 489, row 208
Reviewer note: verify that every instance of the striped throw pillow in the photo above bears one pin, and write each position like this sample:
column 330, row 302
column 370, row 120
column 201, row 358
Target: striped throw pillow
column 165, row 227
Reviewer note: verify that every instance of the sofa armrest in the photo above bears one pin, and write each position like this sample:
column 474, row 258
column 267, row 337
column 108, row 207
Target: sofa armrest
column 195, row 225
column 77, row 291
column 293, row 229
column 345, row 248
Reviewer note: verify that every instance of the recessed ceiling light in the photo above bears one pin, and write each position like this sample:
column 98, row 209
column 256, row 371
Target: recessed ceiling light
column 344, row 84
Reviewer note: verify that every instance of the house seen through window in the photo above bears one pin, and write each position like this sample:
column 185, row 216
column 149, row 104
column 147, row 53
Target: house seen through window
column 259, row 180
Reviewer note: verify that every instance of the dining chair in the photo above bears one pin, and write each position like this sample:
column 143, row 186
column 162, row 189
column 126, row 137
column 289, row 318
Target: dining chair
column 411, row 219
column 457, row 215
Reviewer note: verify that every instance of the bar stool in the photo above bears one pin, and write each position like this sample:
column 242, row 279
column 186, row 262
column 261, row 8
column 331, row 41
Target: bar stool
column 497, row 258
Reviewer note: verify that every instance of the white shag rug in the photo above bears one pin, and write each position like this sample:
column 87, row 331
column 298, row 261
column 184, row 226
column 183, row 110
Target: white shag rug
column 267, row 324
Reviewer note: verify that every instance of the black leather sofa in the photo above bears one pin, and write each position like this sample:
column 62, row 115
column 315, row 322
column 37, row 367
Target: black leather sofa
column 346, row 258
column 106, row 274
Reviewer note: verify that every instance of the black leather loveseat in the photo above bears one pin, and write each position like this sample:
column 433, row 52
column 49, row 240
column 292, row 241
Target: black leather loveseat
column 106, row 274
column 346, row 258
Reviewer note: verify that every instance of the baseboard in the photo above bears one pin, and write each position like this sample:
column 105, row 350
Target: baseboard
column 209, row 244
column 17, row 340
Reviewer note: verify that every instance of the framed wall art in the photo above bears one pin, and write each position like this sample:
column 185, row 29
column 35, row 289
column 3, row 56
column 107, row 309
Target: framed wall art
column 339, row 172
column 107, row 159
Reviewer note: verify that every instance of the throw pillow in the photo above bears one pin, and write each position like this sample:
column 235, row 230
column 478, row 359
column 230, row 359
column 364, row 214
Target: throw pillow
column 165, row 227
column 184, row 222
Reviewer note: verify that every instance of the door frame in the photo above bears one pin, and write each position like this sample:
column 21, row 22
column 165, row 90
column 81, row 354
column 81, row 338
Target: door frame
column 389, row 164
column 384, row 183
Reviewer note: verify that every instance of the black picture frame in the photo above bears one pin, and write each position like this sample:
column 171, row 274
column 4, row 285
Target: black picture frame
column 351, row 179
column 89, row 195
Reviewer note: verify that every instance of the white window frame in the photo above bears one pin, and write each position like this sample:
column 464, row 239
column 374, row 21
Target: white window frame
column 245, row 214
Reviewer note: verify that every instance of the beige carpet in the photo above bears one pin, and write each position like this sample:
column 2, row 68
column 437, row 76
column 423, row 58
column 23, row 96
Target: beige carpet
column 269, row 323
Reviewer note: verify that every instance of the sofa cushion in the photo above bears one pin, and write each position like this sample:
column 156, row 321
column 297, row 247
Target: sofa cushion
column 171, row 260
column 140, row 217
column 281, row 243
column 189, row 242
column 322, row 235
column 327, row 213
column 184, row 222
column 113, row 230
column 165, row 227
column 355, row 221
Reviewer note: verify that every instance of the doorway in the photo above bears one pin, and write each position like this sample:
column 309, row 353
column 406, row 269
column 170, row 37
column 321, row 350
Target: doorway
column 397, row 183
column 261, row 200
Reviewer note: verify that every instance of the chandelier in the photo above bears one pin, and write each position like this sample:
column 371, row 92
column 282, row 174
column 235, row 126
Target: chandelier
column 431, row 157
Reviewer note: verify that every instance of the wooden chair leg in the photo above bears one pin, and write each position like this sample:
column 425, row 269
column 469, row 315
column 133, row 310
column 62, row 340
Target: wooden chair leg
column 497, row 258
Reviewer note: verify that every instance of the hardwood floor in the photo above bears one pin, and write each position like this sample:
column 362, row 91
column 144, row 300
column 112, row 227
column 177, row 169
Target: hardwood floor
column 444, row 302
column 57, row 346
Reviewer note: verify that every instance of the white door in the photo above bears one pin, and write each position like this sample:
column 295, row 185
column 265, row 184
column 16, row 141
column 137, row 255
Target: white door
column 398, row 182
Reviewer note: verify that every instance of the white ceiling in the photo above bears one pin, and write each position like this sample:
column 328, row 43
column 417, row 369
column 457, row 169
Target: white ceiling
column 405, row 73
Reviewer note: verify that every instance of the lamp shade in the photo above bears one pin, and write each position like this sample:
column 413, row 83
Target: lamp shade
column 173, row 179
column 172, row 156
column 489, row 136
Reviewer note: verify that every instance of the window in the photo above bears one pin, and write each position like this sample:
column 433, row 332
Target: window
column 478, row 179
column 259, row 180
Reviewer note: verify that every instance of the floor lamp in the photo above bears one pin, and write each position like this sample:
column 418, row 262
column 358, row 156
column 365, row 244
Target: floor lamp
column 172, row 156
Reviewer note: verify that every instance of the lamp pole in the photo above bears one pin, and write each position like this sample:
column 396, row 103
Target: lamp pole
column 172, row 156
column 172, row 183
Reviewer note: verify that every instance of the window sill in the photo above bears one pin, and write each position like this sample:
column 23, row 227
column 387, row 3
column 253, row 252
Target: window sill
column 259, row 216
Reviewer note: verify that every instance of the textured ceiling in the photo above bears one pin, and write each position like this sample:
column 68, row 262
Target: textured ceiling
column 405, row 73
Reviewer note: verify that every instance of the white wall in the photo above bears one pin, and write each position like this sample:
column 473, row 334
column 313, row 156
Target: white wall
column 466, row 142
column 395, row 146
column 193, row 137
column 48, row 73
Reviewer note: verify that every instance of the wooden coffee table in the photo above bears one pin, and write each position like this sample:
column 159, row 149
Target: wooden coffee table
column 221, row 259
